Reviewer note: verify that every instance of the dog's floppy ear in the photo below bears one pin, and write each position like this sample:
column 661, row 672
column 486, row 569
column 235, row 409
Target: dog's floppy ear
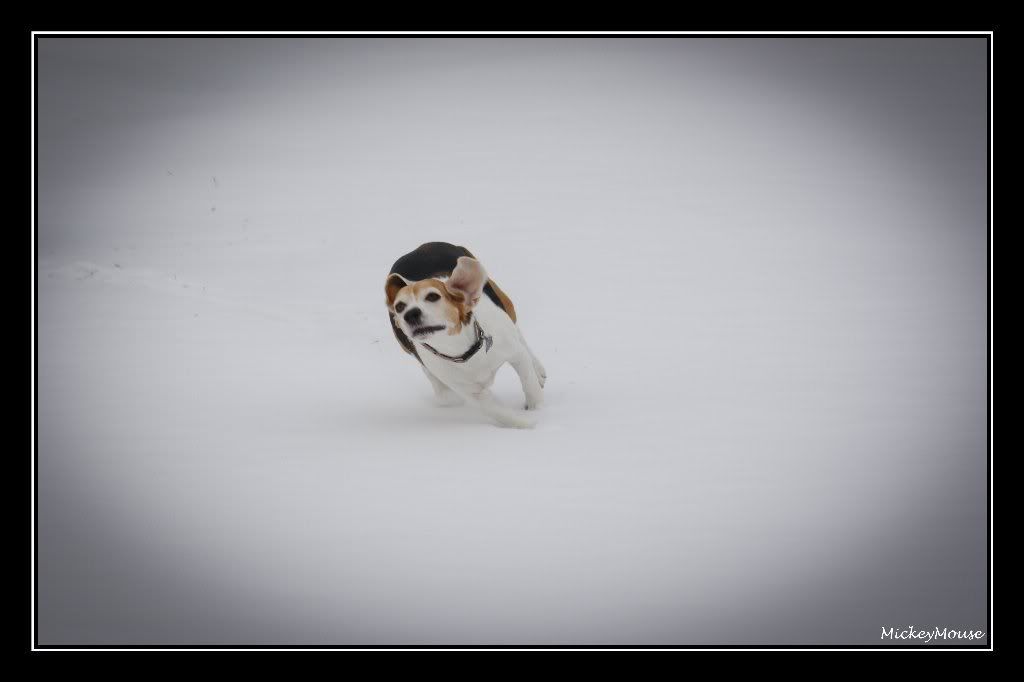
column 392, row 285
column 467, row 280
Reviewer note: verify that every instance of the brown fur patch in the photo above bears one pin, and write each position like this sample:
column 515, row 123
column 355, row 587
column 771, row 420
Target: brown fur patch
column 392, row 286
column 506, row 302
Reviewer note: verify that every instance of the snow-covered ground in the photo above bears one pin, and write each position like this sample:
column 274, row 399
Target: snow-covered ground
column 755, row 271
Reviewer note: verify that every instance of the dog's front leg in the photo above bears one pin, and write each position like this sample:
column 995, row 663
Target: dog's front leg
column 533, row 388
column 443, row 395
column 538, row 367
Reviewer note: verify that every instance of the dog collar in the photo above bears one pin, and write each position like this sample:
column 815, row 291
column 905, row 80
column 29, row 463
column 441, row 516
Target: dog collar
column 482, row 340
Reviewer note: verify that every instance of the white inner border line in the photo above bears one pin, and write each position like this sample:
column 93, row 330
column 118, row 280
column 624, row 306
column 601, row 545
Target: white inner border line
column 739, row 34
column 32, row 296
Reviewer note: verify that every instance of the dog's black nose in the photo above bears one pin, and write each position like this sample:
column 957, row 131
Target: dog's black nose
column 413, row 316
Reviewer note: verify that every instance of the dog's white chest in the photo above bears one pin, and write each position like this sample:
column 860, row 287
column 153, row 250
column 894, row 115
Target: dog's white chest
column 496, row 346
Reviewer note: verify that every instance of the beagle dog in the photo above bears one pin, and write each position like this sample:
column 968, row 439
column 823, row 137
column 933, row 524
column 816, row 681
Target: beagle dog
column 447, row 313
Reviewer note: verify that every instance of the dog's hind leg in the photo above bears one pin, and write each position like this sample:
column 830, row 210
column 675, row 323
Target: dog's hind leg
column 489, row 405
column 504, row 416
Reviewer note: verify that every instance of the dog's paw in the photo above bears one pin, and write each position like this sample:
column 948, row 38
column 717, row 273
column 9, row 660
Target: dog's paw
column 515, row 421
column 534, row 400
column 518, row 424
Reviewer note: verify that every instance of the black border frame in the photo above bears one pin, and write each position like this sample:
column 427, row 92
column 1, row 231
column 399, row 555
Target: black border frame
column 28, row 148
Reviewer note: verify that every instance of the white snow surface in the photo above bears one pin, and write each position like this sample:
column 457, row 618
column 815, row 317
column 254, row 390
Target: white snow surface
column 764, row 329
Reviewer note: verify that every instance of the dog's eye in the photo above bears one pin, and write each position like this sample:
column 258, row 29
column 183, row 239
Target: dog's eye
column 399, row 307
column 432, row 297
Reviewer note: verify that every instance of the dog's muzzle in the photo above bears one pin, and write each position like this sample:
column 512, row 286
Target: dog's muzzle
column 424, row 331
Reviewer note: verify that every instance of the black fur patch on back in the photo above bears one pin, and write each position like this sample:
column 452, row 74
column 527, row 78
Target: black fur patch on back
column 436, row 259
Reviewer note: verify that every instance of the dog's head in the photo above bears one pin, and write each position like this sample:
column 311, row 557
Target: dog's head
column 430, row 306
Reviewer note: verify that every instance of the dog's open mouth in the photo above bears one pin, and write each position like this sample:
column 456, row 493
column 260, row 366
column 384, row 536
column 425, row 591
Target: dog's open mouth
column 423, row 331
